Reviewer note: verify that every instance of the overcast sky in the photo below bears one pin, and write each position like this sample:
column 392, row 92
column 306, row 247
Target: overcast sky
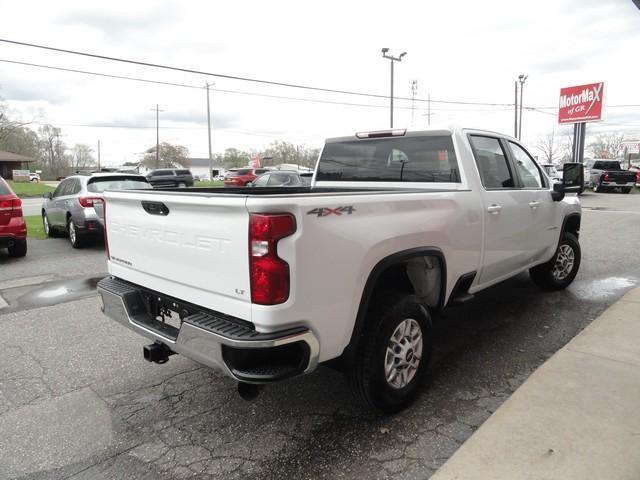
column 459, row 51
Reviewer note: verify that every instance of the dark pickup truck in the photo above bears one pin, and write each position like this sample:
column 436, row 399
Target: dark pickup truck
column 608, row 174
column 170, row 177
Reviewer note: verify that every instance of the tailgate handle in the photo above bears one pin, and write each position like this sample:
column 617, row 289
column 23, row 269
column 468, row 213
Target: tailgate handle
column 155, row 208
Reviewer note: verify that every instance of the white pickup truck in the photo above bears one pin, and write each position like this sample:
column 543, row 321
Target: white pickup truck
column 266, row 283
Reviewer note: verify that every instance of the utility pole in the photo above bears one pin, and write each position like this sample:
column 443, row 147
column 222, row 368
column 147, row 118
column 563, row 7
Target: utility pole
column 392, row 59
column 209, row 130
column 157, row 110
column 515, row 110
column 98, row 155
column 521, row 78
column 414, row 91
column 429, row 109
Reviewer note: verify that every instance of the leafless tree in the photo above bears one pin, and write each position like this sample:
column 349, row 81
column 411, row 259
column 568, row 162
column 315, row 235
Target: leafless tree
column 83, row 156
column 550, row 147
column 608, row 145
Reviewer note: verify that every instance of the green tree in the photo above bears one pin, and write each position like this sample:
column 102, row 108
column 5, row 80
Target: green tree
column 170, row 156
column 234, row 157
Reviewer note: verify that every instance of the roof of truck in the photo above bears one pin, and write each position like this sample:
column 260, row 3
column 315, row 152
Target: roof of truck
column 410, row 132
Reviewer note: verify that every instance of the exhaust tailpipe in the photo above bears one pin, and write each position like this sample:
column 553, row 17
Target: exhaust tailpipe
column 157, row 352
column 249, row 391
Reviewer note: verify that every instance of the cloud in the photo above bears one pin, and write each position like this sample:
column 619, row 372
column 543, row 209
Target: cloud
column 120, row 22
column 26, row 90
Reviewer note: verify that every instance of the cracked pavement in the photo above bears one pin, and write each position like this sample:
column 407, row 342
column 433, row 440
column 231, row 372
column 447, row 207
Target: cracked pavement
column 77, row 401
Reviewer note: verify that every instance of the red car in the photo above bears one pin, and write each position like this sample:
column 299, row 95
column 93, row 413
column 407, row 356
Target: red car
column 239, row 177
column 13, row 230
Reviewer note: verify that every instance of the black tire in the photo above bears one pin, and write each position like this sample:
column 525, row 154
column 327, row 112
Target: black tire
column 543, row 275
column 76, row 239
column 367, row 376
column 49, row 231
column 182, row 185
column 626, row 190
column 597, row 187
column 18, row 249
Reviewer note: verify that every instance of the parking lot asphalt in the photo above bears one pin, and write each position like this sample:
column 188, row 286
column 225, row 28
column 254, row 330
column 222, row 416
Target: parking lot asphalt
column 78, row 401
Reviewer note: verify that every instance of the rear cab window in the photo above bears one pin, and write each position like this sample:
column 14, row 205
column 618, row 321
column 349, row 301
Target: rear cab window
column 100, row 184
column 425, row 158
column 606, row 165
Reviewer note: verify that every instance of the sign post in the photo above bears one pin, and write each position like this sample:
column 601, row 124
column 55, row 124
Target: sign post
column 579, row 105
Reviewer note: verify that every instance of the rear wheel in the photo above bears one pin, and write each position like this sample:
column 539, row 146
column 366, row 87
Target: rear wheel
column 559, row 272
column 76, row 238
column 626, row 190
column 393, row 355
column 597, row 187
column 18, row 249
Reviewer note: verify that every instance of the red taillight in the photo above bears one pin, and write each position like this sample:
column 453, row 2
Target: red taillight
column 87, row 202
column 269, row 273
column 638, row 177
column 13, row 205
column 606, row 176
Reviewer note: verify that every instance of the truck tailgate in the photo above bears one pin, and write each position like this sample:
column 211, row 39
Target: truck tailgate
column 189, row 246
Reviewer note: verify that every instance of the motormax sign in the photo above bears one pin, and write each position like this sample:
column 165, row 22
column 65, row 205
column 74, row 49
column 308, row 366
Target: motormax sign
column 581, row 104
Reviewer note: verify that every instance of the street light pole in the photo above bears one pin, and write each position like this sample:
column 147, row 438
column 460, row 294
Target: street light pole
column 521, row 78
column 515, row 110
column 157, row 110
column 392, row 59
column 209, row 131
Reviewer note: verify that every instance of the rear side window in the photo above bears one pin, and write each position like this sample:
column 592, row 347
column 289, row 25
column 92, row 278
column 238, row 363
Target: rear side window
column 406, row 159
column 99, row 185
column 183, row 172
column 4, row 187
column 243, row 171
column 492, row 162
column 259, row 171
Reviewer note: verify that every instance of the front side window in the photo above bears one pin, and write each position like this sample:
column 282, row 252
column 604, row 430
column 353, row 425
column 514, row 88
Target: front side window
column 492, row 162
column 526, row 167
column 429, row 158
column 60, row 188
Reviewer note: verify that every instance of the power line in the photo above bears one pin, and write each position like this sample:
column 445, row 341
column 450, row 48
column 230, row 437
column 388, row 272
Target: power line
column 235, row 77
column 236, row 92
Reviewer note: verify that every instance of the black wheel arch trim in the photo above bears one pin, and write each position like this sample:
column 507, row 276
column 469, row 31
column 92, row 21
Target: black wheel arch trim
column 565, row 220
column 356, row 335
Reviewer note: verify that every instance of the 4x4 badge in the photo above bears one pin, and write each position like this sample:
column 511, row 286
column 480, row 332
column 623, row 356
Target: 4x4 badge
column 326, row 211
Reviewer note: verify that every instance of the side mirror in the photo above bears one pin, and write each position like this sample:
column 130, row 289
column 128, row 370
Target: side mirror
column 572, row 181
column 47, row 195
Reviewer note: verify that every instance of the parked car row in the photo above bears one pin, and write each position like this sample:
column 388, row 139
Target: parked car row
column 13, row 230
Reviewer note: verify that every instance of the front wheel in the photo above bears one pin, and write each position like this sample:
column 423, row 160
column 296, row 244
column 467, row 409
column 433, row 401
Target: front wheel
column 559, row 272
column 393, row 355
column 182, row 185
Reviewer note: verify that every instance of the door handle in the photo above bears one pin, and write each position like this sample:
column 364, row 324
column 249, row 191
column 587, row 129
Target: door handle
column 494, row 209
column 534, row 204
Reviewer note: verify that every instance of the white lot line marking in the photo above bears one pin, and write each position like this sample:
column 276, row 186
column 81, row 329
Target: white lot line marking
column 3, row 303
column 26, row 281
column 589, row 209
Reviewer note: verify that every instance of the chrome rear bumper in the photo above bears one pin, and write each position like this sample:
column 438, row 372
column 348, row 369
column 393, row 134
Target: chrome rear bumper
column 215, row 340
